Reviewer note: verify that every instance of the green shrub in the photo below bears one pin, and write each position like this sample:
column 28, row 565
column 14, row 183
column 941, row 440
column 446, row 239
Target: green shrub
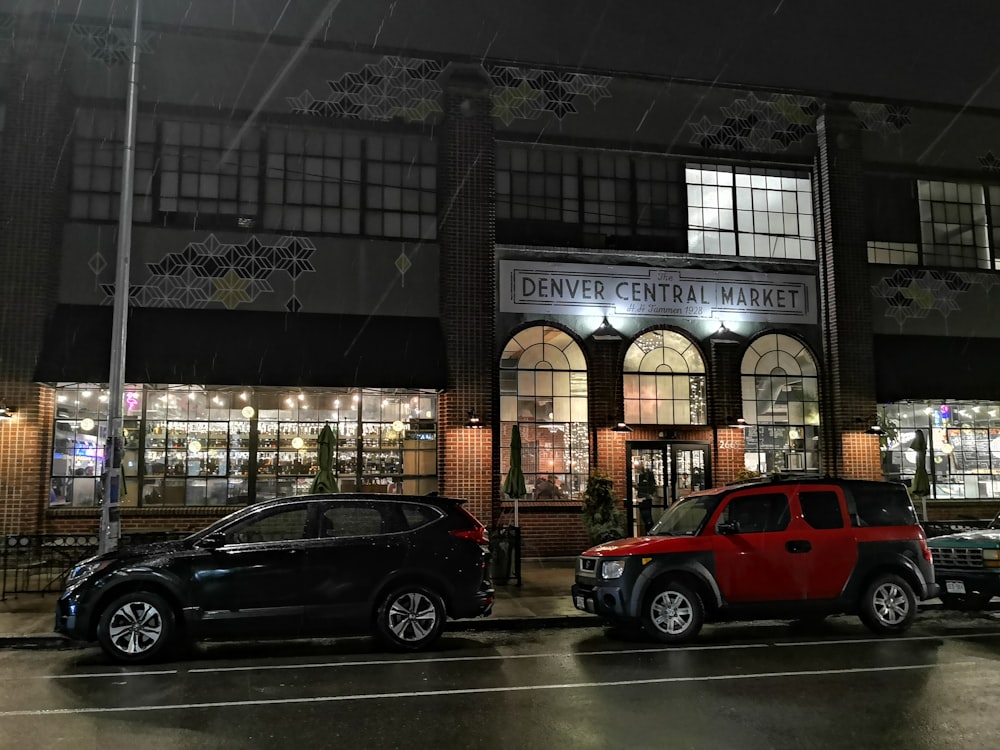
column 602, row 518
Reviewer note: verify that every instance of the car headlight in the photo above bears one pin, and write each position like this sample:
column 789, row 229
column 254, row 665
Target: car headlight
column 85, row 570
column 991, row 554
column 612, row 569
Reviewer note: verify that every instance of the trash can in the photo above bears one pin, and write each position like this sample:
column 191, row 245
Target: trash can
column 505, row 555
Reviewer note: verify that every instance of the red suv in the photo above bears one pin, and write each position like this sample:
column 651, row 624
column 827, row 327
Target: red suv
column 777, row 548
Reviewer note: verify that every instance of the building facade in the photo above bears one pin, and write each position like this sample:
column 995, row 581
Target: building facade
column 642, row 272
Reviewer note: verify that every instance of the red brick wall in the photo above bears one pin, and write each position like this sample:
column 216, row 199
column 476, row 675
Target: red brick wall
column 33, row 184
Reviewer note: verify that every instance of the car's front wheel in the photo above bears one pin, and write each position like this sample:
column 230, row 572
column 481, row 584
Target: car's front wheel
column 136, row 627
column 889, row 605
column 673, row 613
column 410, row 617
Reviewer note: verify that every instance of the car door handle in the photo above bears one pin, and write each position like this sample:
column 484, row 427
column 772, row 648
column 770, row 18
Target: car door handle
column 798, row 545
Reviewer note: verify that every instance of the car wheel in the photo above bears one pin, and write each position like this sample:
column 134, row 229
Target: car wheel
column 136, row 627
column 889, row 605
column 410, row 618
column 673, row 613
column 966, row 602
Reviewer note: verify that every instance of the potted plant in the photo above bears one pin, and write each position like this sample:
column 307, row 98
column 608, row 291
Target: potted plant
column 602, row 518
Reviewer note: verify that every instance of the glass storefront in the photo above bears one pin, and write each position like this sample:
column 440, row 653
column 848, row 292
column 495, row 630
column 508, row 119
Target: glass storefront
column 963, row 446
column 195, row 445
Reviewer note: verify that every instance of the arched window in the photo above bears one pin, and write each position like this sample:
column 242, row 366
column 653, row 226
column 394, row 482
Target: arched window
column 664, row 380
column 543, row 389
column 780, row 405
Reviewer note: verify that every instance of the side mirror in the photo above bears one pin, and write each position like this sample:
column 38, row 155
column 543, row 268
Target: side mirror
column 727, row 527
column 212, row 541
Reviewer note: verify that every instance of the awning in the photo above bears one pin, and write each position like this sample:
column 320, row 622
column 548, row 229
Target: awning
column 227, row 347
column 936, row 367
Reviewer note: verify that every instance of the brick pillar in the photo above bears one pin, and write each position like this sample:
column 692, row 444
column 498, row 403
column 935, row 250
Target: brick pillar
column 605, row 400
column 35, row 156
column 468, row 460
column 848, row 377
column 725, row 403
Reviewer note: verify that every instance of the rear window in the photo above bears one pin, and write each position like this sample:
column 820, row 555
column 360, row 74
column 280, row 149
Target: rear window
column 416, row 516
column 821, row 509
column 882, row 505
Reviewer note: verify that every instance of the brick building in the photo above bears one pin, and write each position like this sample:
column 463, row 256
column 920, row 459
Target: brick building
column 646, row 249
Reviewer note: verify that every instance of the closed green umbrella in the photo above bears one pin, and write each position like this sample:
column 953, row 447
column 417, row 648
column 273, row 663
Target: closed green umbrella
column 920, row 486
column 325, row 481
column 513, row 485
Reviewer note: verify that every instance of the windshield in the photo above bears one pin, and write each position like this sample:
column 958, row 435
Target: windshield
column 688, row 517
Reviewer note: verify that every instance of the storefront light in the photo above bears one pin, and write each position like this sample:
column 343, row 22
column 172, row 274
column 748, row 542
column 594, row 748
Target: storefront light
column 86, row 424
column 247, row 412
column 297, row 442
column 194, row 446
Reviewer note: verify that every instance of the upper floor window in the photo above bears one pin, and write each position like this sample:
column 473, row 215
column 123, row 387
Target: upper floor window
column 953, row 224
column 313, row 181
column 549, row 195
column 543, row 389
column 950, row 224
column 208, row 169
column 750, row 211
column 214, row 175
column 664, row 380
column 96, row 180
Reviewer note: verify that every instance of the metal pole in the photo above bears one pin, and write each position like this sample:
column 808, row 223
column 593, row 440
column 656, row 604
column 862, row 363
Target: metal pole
column 110, row 530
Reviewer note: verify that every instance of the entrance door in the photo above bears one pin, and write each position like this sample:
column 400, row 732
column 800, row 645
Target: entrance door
column 664, row 472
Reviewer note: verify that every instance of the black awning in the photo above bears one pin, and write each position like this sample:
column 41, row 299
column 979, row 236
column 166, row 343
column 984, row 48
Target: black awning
column 936, row 367
column 226, row 347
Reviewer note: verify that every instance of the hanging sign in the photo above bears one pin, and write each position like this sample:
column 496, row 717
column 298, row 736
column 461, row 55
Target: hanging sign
column 590, row 289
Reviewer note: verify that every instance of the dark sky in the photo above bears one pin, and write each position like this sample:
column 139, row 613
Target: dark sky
column 945, row 52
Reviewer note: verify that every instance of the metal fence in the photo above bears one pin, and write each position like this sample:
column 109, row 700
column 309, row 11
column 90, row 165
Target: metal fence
column 39, row 563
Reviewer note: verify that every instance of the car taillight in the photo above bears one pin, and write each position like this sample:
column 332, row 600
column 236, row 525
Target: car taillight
column 926, row 550
column 476, row 534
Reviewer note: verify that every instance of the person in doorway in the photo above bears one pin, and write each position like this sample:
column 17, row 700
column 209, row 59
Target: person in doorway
column 646, row 488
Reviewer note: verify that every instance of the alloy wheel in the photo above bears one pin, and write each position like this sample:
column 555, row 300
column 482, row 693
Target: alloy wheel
column 890, row 603
column 671, row 612
column 412, row 617
column 135, row 627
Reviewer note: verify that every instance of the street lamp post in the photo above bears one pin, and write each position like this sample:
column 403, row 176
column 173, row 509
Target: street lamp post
column 110, row 529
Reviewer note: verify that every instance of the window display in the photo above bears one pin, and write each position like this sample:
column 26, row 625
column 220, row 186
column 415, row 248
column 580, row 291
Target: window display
column 962, row 446
column 192, row 445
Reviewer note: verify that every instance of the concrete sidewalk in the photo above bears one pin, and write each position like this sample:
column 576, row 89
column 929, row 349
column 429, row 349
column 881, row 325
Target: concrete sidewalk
column 542, row 600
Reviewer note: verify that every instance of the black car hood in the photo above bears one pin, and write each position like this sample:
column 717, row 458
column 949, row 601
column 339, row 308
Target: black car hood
column 141, row 551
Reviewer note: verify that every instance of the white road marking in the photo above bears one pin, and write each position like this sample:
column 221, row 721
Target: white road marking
column 507, row 657
column 495, row 657
column 607, row 652
column 472, row 691
column 88, row 675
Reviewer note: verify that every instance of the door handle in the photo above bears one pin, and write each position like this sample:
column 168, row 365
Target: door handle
column 798, row 545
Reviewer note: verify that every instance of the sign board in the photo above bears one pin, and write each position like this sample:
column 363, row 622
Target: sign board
column 589, row 289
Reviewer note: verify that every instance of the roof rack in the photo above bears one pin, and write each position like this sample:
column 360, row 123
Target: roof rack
column 780, row 476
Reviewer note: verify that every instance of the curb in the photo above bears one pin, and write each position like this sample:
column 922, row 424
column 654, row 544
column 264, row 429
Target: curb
column 43, row 641
column 525, row 623
column 38, row 641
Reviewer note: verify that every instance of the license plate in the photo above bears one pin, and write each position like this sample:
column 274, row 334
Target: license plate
column 954, row 587
column 579, row 603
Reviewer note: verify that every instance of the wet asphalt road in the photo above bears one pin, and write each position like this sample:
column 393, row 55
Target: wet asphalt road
column 764, row 685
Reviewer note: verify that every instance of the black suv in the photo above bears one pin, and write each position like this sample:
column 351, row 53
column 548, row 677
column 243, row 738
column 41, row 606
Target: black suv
column 789, row 548
column 312, row 565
